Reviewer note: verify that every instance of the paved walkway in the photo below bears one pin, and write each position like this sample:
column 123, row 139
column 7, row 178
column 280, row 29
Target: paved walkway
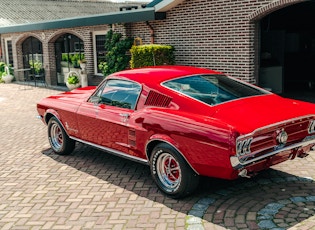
column 94, row 190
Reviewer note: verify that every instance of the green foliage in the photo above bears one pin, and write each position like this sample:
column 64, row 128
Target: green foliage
column 36, row 65
column 152, row 55
column 116, row 58
column 4, row 72
column 65, row 57
column 73, row 58
column 73, row 79
column 2, row 66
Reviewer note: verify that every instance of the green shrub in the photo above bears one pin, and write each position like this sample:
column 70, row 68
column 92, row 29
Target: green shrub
column 2, row 66
column 116, row 58
column 152, row 55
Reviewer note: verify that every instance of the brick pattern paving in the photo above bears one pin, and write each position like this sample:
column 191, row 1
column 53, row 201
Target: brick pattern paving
column 93, row 190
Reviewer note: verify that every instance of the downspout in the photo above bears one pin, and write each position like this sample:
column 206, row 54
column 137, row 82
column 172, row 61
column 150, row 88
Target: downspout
column 1, row 46
column 152, row 35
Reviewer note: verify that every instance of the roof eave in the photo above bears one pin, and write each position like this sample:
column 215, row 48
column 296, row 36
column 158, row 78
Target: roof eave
column 146, row 14
column 166, row 5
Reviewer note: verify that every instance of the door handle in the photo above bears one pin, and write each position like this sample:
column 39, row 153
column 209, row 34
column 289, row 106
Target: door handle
column 124, row 116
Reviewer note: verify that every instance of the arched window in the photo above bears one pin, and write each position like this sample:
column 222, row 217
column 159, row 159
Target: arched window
column 69, row 50
column 32, row 53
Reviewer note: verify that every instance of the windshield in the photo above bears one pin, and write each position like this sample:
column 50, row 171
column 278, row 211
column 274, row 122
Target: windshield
column 213, row 89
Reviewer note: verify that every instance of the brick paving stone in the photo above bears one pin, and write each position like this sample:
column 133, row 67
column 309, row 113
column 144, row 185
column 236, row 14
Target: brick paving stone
column 90, row 189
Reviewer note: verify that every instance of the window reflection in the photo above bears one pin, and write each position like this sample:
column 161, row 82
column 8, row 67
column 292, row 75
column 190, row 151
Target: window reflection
column 212, row 89
column 119, row 93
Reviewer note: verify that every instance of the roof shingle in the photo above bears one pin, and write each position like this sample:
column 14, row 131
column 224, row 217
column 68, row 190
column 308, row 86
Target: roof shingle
column 16, row 12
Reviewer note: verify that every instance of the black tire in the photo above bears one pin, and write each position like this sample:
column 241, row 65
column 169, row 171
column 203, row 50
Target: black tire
column 171, row 173
column 58, row 138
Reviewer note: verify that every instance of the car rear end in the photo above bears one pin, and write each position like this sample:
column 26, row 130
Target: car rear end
column 273, row 144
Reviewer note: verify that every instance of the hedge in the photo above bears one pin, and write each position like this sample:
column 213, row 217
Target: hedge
column 151, row 55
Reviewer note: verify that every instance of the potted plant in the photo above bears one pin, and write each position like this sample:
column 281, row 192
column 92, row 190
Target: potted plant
column 73, row 80
column 36, row 65
column 7, row 77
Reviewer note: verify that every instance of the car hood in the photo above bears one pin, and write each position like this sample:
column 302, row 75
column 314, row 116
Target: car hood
column 249, row 114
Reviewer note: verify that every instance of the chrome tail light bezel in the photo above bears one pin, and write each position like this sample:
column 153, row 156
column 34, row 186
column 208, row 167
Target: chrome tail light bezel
column 243, row 146
column 311, row 127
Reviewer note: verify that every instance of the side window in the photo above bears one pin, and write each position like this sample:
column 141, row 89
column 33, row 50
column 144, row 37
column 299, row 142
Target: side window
column 120, row 93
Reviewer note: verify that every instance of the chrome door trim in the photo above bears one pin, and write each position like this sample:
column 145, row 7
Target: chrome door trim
column 113, row 151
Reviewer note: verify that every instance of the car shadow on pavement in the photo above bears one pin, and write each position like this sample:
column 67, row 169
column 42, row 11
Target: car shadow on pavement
column 122, row 173
column 271, row 200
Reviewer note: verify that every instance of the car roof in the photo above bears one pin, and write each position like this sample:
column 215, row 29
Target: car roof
column 159, row 74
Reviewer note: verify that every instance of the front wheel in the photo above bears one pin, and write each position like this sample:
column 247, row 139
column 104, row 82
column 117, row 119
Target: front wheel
column 58, row 138
column 171, row 172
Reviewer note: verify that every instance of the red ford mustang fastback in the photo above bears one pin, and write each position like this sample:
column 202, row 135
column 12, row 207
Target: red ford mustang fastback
column 184, row 122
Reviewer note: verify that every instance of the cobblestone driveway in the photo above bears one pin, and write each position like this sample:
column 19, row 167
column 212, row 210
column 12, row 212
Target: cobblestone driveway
column 94, row 190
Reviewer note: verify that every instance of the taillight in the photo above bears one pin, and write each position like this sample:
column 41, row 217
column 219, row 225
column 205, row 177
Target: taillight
column 311, row 127
column 243, row 146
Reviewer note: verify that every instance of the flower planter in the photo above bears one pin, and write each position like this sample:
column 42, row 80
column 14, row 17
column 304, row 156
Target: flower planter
column 72, row 86
column 7, row 78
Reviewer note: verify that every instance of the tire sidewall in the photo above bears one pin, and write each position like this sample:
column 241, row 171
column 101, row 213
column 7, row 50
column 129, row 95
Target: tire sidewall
column 180, row 188
column 53, row 121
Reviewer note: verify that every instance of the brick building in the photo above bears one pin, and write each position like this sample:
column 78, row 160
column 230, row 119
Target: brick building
column 267, row 42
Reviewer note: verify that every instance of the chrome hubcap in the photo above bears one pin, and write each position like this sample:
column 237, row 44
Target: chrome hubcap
column 56, row 137
column 168, row 171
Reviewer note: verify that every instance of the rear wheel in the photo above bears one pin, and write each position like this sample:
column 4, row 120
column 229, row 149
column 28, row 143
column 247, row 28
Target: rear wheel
column 171, row 172
column 58, row 138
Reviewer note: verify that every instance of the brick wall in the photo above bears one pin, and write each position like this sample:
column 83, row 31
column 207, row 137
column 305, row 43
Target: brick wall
column 48, row 37
column 217, row 34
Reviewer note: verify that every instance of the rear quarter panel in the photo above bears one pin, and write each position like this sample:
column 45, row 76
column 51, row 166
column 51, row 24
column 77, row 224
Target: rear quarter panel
column 205, row 143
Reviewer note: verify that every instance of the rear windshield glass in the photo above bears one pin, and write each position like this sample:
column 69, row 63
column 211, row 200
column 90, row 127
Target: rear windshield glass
column 212, row 89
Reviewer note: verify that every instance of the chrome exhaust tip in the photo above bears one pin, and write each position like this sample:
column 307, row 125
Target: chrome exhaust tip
column 244, row 173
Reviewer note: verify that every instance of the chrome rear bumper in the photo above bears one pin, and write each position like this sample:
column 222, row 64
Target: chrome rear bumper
column 307, row 142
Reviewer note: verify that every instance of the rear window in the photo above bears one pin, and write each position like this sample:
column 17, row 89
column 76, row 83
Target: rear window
column 213, row 89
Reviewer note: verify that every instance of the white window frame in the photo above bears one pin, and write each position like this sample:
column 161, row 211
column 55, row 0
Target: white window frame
column 6, row 49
